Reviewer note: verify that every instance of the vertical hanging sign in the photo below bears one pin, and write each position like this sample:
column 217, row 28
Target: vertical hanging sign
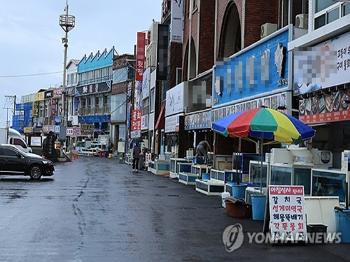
column 140, row 55
column 140, row 65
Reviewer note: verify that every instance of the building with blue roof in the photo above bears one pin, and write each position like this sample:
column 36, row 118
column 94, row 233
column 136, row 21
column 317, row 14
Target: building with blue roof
column 93, row 92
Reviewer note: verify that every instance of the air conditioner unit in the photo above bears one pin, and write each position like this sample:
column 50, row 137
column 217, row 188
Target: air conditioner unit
column 301, row 21
column 268, row 29
column 322, row 158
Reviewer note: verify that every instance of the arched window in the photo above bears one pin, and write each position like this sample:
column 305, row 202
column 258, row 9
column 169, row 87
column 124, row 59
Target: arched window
column 185, row 64
column 230, row 38
column 193, row 60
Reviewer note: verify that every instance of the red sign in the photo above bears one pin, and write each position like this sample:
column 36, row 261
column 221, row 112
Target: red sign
column 140, row 55
column 136, row 119
column 325, row 108
column 287, row 212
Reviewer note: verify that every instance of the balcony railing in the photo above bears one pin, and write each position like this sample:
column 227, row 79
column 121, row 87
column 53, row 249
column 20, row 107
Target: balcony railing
column 95, row 110
column 95, row 80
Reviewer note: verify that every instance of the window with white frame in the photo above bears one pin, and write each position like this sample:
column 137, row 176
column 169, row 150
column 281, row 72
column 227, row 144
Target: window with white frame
column 328, row 11
column 98, row 73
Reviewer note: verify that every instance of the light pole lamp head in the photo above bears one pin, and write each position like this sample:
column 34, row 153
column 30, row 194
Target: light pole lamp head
column 67, row 22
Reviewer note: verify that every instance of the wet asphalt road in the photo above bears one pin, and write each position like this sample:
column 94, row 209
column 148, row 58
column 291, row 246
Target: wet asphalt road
column 97, row 210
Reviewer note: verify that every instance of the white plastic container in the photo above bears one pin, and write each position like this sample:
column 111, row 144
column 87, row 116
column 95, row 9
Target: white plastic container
column 224, row 195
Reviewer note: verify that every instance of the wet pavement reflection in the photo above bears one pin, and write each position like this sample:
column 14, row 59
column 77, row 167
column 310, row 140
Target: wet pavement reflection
column 97, row 210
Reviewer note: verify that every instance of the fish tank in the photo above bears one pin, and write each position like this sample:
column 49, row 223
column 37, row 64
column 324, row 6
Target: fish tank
column 241, row 165
column 254, row 173
column 281, row 174
column 328, row 182
column 284, row 174
column 302, row 176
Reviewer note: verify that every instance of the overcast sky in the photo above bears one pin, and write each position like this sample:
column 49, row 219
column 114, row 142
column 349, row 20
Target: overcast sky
column 30, row 37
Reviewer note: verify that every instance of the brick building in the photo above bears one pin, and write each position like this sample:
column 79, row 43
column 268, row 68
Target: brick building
column 198, row 42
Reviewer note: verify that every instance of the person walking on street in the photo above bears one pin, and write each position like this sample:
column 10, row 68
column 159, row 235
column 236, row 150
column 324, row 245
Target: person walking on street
column 136, row 157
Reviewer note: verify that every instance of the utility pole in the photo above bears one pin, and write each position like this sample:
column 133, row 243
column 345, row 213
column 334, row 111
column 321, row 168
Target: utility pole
column 10, row 104
column 67, row 23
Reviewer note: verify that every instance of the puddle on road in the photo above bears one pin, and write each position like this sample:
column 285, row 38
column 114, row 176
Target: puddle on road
column 13, row 196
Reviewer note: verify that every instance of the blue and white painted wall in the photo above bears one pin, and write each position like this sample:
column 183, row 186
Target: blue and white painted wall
column 259, row 70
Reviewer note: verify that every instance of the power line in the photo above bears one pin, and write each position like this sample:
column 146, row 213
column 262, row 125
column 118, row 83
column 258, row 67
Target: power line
column 31, row 75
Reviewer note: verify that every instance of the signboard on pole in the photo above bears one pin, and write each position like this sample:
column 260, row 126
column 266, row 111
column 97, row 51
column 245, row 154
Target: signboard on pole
column 287, row 213
column 136, row 120
column 140, row 55
column 176, row 25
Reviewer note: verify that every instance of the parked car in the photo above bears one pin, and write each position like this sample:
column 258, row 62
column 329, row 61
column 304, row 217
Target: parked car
column 16, row 162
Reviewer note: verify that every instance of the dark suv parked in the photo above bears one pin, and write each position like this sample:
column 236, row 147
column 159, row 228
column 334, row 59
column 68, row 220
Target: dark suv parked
column 16, row 162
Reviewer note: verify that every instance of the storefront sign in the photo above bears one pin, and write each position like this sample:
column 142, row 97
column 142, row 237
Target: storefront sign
column 87, row 129
column 287, row 213
column 73, row 131
column 57, row 129
column 48, row 94
column 36, row 141
column 70, row 91
column 57, row 93
column 48, row 128
column 144, row 122
column 146, row 83
column 254, row 71
column 57, row 119
column 330, row 107
column 175, row 100
column 28, row 130
column 172, row 124
column 282, row 100
column 151, row 122
column 200, row 120
column 135, row 134
column 53, row 107
column 37, row 130
column 153, row 81
column 140, row 55
column 321, row 66
column 135, row 120
column 69, row 132
column 94, row 88
column 176, row 24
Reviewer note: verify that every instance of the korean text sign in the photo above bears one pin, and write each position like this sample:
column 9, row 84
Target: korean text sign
column 287, row 213
column 140, row 55
column 135, row 120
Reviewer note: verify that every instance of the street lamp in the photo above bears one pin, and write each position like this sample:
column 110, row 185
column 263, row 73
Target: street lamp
column 67, row 23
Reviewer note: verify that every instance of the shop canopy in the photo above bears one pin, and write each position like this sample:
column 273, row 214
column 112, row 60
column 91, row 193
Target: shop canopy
column 264, row 123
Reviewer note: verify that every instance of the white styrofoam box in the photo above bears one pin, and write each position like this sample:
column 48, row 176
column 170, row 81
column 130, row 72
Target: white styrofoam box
column 320, row 210
column 224, row 195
